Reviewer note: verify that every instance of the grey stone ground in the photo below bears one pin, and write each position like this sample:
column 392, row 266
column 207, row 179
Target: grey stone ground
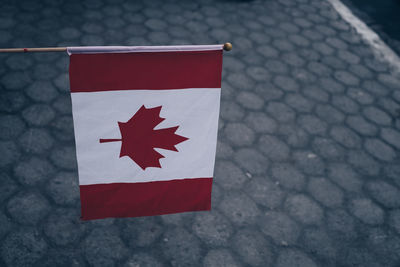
column 307, row 170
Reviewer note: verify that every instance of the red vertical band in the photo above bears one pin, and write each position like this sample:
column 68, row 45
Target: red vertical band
column 145, row 70
column 145, row 199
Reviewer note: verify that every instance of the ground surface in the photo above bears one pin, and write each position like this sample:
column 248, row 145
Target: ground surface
column 382, row 16
column 307, row 170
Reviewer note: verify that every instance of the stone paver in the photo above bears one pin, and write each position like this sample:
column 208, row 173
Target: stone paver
column 307, row 170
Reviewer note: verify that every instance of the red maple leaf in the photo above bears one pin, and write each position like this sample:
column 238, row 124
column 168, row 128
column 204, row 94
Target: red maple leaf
column 139, row 137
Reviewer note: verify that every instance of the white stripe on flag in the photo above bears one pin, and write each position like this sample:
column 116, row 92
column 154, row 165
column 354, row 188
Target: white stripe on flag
column 96, row 116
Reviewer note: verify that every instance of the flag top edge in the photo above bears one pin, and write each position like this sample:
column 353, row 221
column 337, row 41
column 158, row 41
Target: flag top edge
column 133, row 49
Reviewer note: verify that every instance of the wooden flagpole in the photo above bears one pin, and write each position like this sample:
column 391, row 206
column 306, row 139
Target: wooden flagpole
column 227, row 47
column 35, row 49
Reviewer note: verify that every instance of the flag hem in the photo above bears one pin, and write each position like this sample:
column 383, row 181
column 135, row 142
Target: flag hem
column 135, row 49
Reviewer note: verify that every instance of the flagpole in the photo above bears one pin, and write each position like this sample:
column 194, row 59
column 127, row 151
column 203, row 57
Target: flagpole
column 33, row 49
column 227, row 47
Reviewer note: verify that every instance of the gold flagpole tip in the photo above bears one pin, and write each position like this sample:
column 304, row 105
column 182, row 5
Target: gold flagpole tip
column 227, row 46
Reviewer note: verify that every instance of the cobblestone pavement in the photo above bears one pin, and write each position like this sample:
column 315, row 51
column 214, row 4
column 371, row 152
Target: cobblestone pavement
column 307, row 170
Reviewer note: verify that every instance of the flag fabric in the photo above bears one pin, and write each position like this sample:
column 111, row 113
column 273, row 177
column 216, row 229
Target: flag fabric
column 145, row 122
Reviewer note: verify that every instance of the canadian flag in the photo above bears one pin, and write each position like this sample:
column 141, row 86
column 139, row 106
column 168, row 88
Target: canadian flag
column 145, row 121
